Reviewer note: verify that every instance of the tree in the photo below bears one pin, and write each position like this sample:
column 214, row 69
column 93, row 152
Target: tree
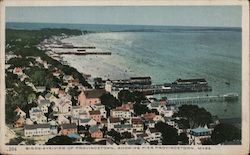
column 140, row 109
column 225, row 132
column 169, row 134
column 115, row 135
column 60, row 140
column 109, row 101
column 196, row 116
column 31, row 97
column 125, row 96
column 126, row 135
column 74, row 92
column 183, row 139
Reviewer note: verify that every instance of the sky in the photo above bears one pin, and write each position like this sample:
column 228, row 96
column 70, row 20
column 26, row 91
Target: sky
column 215, row 16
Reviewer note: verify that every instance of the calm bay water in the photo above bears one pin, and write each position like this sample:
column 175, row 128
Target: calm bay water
column 166, row 54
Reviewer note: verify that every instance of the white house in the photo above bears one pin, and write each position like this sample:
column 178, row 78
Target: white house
column 64, row 106
column 40, row 88
column 122, row 113
column 36, row 114
column 62, row 120
column 76, row 110
column 167, row 111
column 123, row 128
column 43, row 105
column 36, row 130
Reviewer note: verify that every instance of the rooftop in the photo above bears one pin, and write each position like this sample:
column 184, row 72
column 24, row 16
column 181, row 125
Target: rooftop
column 93, row 129
column 200, row 130
column 68, row 126
column 95, row 112
column 36, row 126
column 123, row 126
column 94, row 93
column 74, row 135
column 114, row 120
column 85, row 120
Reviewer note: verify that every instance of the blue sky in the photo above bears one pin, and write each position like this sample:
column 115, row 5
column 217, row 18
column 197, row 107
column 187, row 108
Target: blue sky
column 218, row 16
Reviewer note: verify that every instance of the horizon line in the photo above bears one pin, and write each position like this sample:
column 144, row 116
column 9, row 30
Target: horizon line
column 123, row 24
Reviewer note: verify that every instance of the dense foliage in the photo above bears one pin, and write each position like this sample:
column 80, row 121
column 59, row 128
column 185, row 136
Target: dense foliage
column 196, row 116
column 60, row 140
column 169, row 134
column 225, row 132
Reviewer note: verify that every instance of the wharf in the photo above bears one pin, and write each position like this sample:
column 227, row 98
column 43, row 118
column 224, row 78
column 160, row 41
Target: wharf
column 73, row 47
column 83, row 53
column 203, row 99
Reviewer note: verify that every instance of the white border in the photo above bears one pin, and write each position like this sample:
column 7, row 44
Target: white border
column 232, row 149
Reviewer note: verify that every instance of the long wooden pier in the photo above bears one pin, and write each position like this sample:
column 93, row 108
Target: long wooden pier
column 203, row 99
column 83, row 53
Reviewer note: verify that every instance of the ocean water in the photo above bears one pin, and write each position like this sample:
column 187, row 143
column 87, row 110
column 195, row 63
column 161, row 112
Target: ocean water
column 165, row 54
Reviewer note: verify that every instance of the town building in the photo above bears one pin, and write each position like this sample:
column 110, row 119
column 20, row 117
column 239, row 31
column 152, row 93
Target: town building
column 68, row 128
column 36, row 130
column 90, row 97
column 95, row 115
column 95, row 132
column 121, row 113
column 198, row 135
column 123, row 128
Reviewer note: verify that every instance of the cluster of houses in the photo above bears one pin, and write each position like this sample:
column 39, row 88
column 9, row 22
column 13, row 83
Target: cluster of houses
column 91, row 114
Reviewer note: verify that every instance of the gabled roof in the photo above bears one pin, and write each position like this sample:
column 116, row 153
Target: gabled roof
column 74, row 136
column 93, row 129
column 94, row 93
column 95, row 112
column 68, row 126
column 48, row 95
column 123, row 126
column 85, row 120
column 200, row 130
column 36, row 126
column 44, row 102
column 114, row 120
